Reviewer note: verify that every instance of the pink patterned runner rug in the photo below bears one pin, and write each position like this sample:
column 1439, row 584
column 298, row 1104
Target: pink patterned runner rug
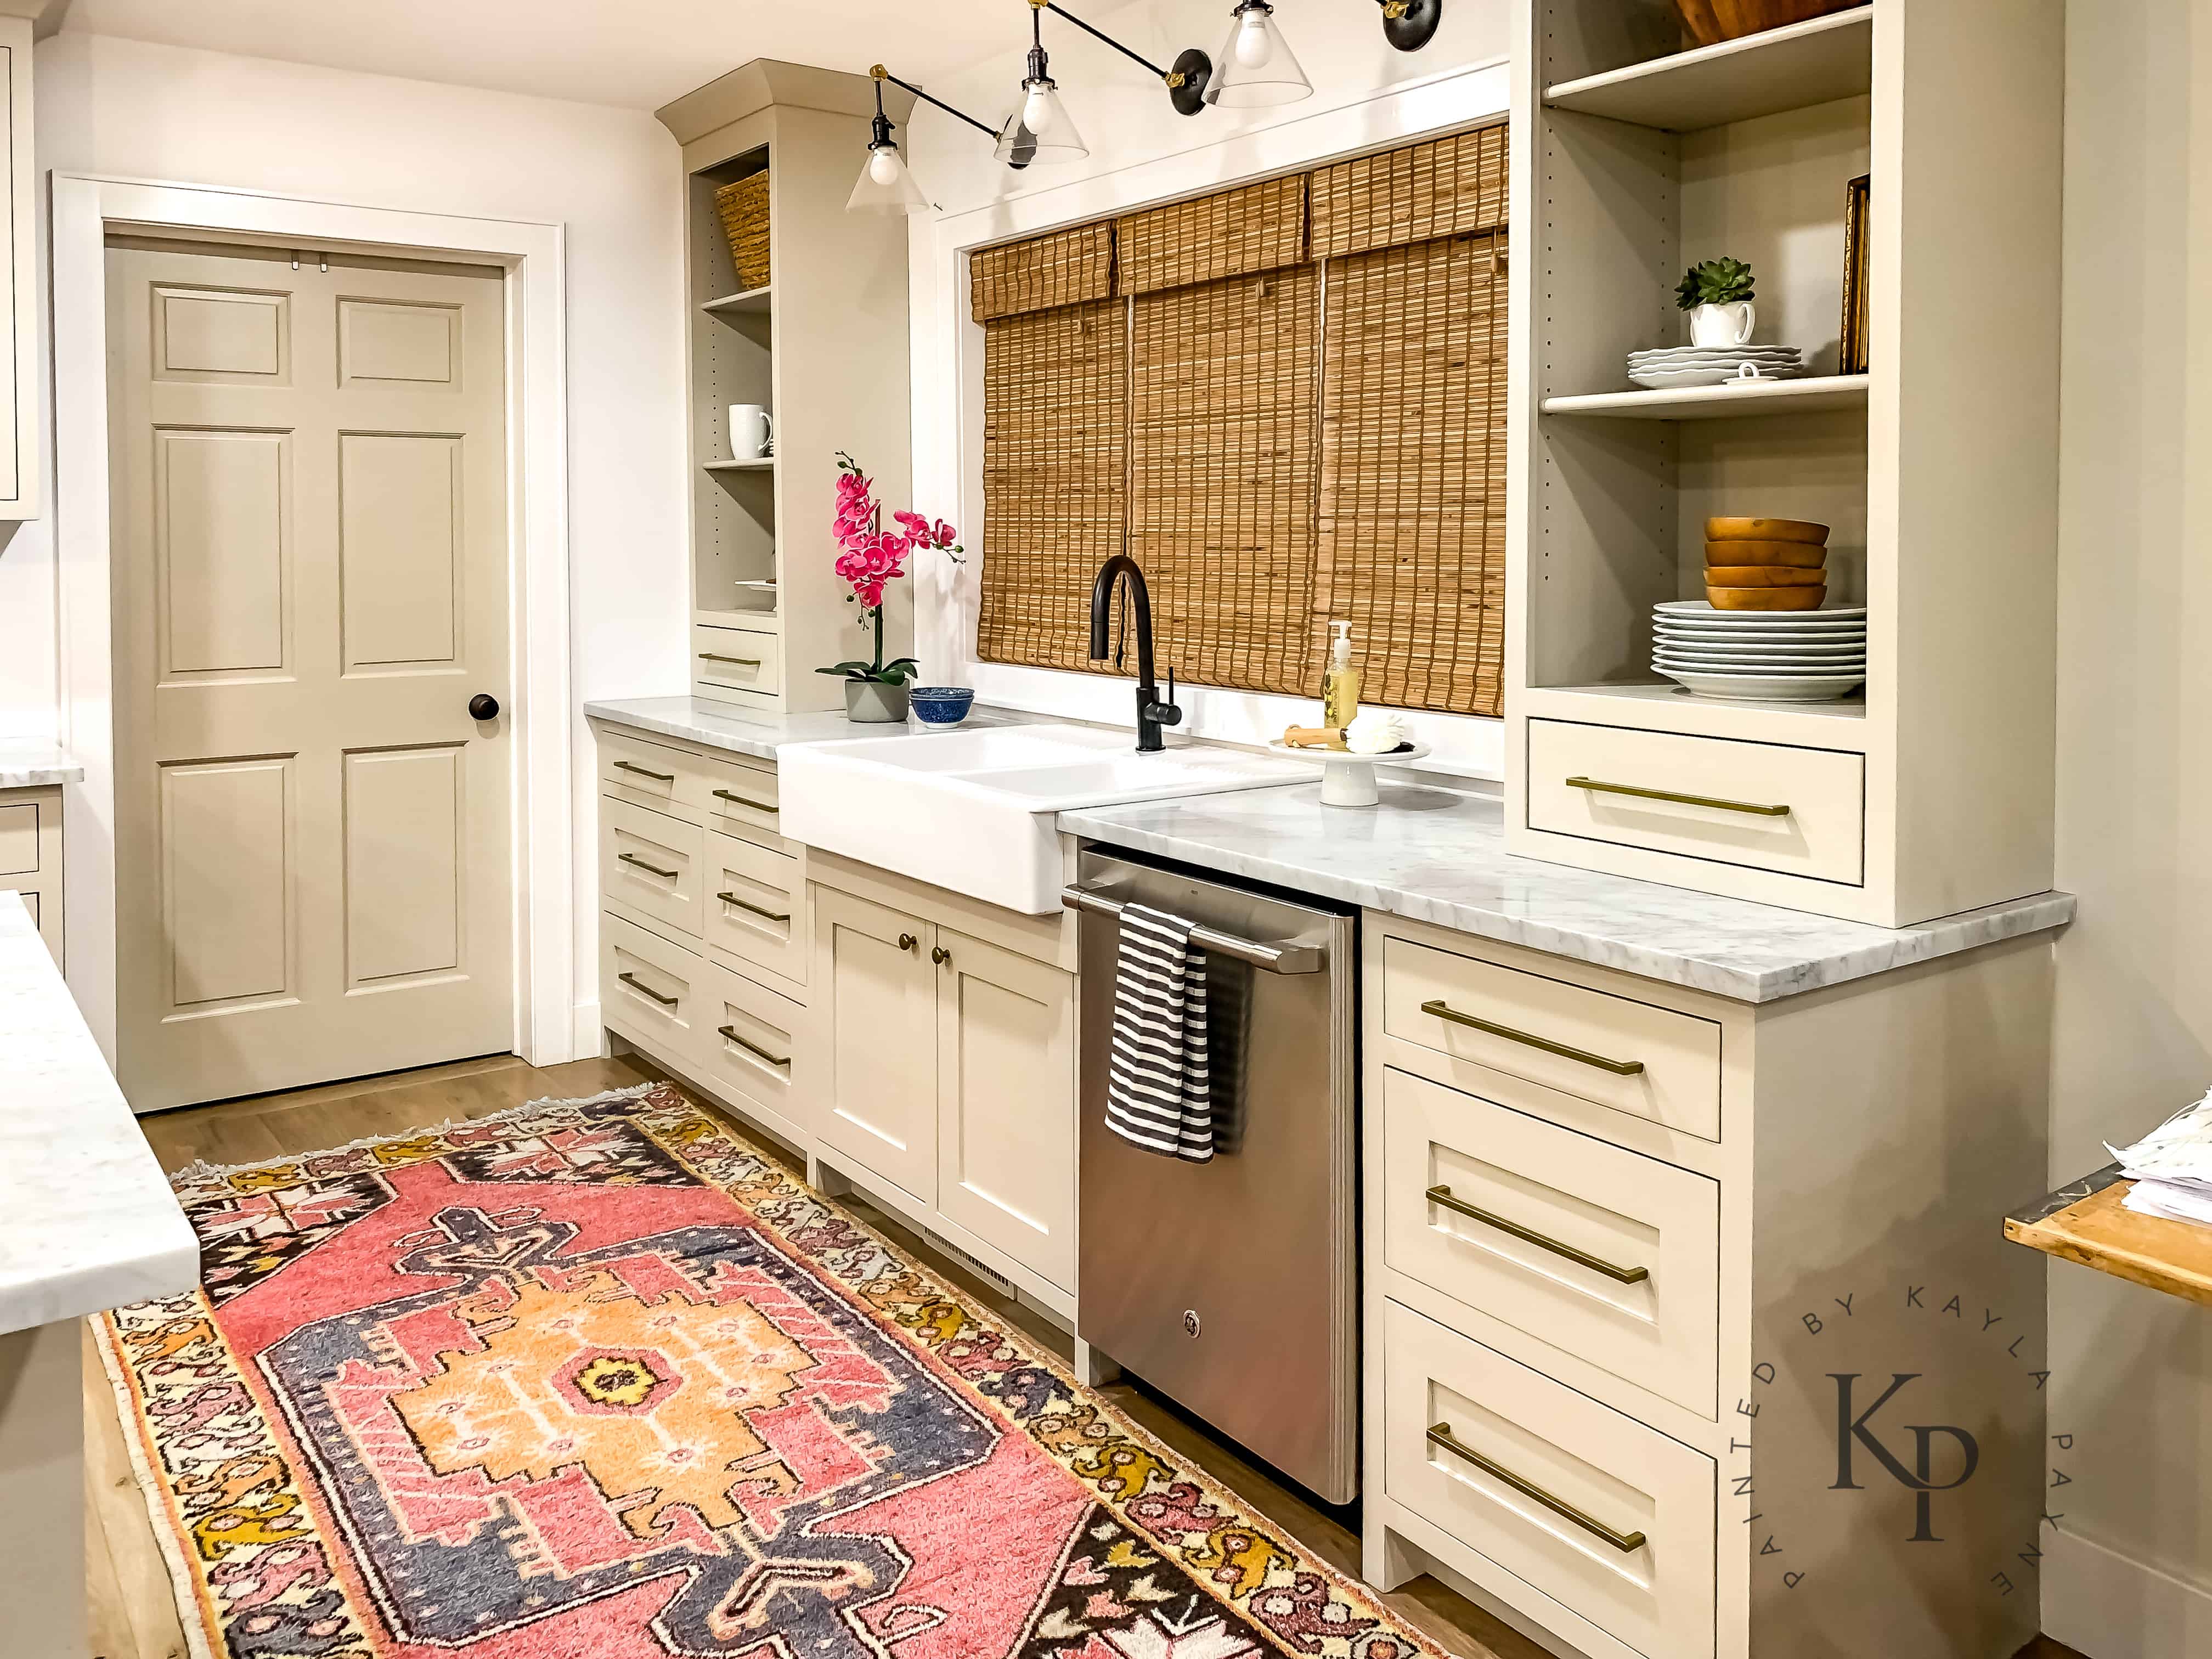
column 596, row 1379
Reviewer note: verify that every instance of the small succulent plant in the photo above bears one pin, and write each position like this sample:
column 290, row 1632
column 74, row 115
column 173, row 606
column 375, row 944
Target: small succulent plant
column 1716, row 282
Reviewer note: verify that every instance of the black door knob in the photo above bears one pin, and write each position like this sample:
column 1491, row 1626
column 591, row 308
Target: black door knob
column 484, row 707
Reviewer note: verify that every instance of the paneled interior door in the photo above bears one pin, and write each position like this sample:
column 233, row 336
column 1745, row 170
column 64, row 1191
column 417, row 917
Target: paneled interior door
column 313, row 875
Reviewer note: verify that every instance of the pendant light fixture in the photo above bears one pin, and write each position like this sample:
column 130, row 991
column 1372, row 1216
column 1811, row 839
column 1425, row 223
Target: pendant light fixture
column 1186, row 82
column 1040, row 128
column 1409, row 25
column 1255, row 66
column 887, row 184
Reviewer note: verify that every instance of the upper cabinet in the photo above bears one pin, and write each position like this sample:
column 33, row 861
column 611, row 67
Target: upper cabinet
column 797, row 313
column 1928, row 790
column 20, row 472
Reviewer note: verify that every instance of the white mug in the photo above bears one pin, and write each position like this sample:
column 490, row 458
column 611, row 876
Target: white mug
column 1718, row 327
column 752, row 430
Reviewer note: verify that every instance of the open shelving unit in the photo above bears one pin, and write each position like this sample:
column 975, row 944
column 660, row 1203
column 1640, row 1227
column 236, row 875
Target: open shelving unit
column 823, row 345
column 1935, row 471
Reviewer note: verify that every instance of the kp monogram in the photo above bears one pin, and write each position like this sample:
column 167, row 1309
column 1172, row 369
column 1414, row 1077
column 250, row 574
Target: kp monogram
column 1920, row 1478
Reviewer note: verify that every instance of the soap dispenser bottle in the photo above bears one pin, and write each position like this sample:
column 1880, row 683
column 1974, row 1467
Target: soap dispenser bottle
column 1339, row 682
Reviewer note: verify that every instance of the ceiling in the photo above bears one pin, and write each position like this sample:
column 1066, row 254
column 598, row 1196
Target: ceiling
column 635, row 54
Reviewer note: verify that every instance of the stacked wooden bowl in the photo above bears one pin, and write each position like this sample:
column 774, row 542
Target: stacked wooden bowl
column 1765, row 564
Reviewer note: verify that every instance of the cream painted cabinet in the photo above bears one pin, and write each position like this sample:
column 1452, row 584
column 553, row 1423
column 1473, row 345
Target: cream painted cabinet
column 19, row 403
column 878, row 999
column 31, row 857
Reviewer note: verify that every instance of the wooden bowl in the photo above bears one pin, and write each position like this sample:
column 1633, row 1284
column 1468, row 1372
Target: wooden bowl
column 1766, row 598
column 1708, row 22
column 1766, row 530
column 1805, row 556
column 1763, row 575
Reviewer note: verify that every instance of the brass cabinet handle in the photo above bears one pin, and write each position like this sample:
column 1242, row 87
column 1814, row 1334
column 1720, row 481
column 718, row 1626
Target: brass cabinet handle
column 1627, row 1543
column 1618, row 1068
column 907, row 941
column 728, row 1034
column 646, row 772
column 772, row 915
column 637, row 984
column 1753, row 807
column 627, row 858
column 1596, row 1264
column 939, row 954
column 745, row 801
column 742, row 662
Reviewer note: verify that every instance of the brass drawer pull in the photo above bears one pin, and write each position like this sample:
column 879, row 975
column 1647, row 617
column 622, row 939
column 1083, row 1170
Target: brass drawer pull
column 1627, row 1543
column 646, row 772
column 636, row 984
column 742, row 662
column 772, row 915
column 653, row 869
column 728, row 1034
column 745, row 801
column 1596, row 1264
column 1618, row 1068
column 1753, row 807
column 939, row 954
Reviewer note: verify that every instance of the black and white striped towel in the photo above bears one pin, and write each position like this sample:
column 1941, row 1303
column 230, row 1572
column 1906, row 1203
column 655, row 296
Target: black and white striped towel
column 1159, row 1093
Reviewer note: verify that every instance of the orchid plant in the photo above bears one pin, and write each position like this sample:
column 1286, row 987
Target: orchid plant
column 870, row 556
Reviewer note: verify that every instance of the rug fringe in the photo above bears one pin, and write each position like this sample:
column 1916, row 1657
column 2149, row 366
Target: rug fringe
column 201, row 1169
column 184, row 1587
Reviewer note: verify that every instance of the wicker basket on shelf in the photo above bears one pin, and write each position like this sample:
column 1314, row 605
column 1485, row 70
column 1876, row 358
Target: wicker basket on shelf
column 743, row 207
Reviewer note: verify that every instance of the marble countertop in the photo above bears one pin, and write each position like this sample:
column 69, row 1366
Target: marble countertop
column 32, row 765
column 1438, row 855
column 86, row 1219
column 697, row 722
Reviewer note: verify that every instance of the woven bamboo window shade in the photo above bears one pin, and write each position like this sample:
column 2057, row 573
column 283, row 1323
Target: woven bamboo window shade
column 1293, row 410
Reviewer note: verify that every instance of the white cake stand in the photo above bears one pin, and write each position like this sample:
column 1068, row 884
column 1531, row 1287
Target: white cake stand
column 1346, row 779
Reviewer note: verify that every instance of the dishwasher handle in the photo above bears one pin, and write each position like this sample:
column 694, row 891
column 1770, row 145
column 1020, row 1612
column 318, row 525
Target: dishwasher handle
column 1270, row 957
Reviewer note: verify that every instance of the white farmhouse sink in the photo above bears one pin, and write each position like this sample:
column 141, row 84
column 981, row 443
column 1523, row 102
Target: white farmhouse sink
column 974, row 810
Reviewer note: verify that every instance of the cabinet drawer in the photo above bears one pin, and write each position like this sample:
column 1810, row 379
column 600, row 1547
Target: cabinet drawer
column 648, row 773
column 19, row 839
column 1820, row 833
column 1450, row 1401
column 1526, row 1021
column 756, row 905
column 1624, row 1269
column 753, row 1048
column 651, row 990
column 735, row 660
column 742, row 798
column 654, row 864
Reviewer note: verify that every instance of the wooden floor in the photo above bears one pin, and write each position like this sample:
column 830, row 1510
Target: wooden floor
column 132, row 1614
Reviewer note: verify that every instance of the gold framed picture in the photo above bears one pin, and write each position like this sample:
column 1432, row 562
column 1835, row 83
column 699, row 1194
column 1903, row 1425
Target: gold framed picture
column 1852, row 358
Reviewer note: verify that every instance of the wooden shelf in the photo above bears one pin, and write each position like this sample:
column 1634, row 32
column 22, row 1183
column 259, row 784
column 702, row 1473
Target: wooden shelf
column 1664, row 706
column 1813, row 396
column 759, row 622
column 1793, row 68
column 766, row 464
column 2087, row 1223
column 752, row 302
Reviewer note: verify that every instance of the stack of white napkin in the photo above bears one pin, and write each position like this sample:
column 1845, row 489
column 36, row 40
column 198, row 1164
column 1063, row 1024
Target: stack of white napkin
column 2171, row 1167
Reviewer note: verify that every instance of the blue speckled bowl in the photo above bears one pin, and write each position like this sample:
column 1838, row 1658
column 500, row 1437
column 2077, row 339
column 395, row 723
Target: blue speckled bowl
column 940, row 705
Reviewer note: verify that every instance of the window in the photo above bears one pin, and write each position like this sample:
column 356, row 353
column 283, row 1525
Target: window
column 1286, row 402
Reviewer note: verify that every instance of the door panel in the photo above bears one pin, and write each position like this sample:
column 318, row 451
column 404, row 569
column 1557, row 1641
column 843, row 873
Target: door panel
column 880, row 1001
column 1006, row 1092
column 309, row 477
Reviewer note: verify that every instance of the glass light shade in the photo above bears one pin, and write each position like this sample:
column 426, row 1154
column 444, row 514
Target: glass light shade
column 884, row 185
column 1052, row 139
column 1255, row 65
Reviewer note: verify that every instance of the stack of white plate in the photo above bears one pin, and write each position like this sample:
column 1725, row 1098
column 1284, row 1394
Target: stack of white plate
column 1772, row 656
column 1685, row 366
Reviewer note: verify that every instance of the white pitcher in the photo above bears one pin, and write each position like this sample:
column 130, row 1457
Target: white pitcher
column 752, row 430
column 1718, row 327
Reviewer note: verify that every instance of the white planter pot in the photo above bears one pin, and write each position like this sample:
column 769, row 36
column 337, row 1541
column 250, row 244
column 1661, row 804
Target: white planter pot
column 1718, row 327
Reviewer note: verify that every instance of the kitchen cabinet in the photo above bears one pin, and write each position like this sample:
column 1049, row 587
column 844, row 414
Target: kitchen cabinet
column 19, row 397
column 31, row 857
column 945, row 1055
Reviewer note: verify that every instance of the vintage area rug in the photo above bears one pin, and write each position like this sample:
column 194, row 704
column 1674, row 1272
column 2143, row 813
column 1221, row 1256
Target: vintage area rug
column 597, row 1379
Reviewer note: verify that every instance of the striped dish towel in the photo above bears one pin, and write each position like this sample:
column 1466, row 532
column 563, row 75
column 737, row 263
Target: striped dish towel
column 1159, row 1094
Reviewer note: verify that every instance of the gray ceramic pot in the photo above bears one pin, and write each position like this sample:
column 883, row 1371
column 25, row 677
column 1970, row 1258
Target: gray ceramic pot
column 873, row 700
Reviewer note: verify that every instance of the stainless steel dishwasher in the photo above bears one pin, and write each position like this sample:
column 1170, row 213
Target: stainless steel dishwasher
column 1232, row 1287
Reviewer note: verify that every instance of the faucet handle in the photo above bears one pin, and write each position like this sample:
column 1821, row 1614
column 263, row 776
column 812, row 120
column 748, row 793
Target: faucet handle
column 1166, row 713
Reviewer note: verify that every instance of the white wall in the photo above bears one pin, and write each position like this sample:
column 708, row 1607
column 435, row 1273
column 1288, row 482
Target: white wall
column 1366, row 95
column 610, row 176
column 2129, row 1572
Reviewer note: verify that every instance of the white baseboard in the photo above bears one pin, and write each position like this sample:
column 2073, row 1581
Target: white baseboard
column 591, row 1037
column 2110, row 1605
